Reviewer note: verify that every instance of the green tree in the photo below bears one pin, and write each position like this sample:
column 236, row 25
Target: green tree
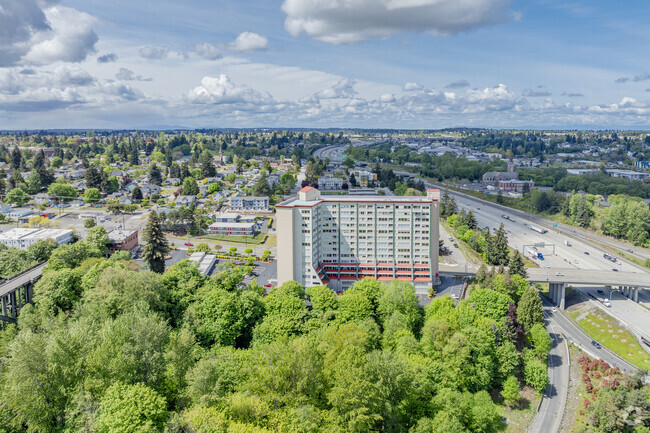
column 89, row 223
column 34, row 182
column 262, row 188
column 203, row 248
column 92, row 195
column 131, row 409
column 516, row 264
column 470, row 220
column 41, row 250
column 207, row 167
column 535, row 372
column 583, row 213
column 93, row 177
column 540, row 341
column 190, row 186
column 510, row 391
column 17, row 196
column 56, row 162
column 62, row 191
column 530, row 309
column 155, row 176
column 136, row 194
column 248, row 251
column 98, row 238
column 156, row 247
column 232, row 251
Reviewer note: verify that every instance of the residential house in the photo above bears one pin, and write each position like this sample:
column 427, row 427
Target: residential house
column 249, row 203
column 185, row 200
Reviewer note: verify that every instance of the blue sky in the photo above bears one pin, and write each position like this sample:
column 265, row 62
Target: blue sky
column 324, row 63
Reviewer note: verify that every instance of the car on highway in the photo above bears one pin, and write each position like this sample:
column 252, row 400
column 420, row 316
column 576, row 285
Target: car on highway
column 595, row 344
column 553, row 309
column 600, row 292
column 587, row 252
column 575, row 262
column 188, row 244
column 455, row 245
column 614, row 269
column 559, row 274
column 548, row 266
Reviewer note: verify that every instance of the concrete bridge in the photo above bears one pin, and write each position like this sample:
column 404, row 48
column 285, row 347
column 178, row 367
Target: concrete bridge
column 18, row 291
column 629, row 283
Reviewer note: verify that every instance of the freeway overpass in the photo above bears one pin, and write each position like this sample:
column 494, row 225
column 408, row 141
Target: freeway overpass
column 18, row 291
column 629, row 283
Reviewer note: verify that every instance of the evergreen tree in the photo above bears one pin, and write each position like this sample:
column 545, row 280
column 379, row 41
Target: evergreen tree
column 136, row 195
column 500, row 196
column 207, row 167
column 156, row 249
column 471, row 220
column 566, row 206
column 500, row 246
column 262, row 188
column 93, row 177
column 155, row 176
column 3, row 187
column 16, row 158
column 185, row 172
column 190, row 187
column 134, row 157
column 583, row 216
column 39, row 160
column 529, row 309
column 516, row 264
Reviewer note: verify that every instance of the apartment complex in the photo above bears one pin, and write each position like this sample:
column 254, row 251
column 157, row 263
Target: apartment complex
column 249, row 203
column 232, row 229
column 336, row 240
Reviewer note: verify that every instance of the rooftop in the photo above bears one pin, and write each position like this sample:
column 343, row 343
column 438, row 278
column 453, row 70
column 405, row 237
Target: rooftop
column 19, row 233
column 292, row 202
column 119, row 235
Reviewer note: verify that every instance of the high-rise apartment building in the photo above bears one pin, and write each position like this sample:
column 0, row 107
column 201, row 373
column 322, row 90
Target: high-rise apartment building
column 336, row 240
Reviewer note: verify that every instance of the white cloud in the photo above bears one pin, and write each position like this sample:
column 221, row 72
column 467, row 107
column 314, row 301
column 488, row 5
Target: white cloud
column 125, row 74
column 412, row 87
column 249, row 41
column 71, row 39
column 342, row 89
column 349, row 21
column 153, row 53
column 208, row 51
column 536, row 93
column 221, row 90
column 36, row 32
column 72, row 76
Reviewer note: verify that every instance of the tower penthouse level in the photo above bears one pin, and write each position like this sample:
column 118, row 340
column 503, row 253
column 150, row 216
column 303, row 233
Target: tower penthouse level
column 336, row 240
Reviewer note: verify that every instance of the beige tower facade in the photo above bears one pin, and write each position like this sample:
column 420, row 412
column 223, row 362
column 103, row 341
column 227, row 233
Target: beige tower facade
column 337, row 240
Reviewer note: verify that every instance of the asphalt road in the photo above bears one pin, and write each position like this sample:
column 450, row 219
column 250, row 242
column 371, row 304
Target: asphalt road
column 553, row 403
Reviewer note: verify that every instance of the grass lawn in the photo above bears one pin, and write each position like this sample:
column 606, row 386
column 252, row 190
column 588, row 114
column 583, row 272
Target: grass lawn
column 609, row 332
column 258, row 239
column 271, row 241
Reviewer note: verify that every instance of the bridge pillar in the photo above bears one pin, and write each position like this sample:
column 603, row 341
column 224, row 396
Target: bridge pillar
column 551, row 292
column 12, row 298
column 561, row 288
column 4, row 305
column 635, row 294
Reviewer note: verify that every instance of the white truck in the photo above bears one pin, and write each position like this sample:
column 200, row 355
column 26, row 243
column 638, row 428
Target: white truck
column 538, row 229
column 567, row 243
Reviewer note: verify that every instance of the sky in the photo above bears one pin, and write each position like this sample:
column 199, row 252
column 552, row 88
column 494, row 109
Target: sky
column 416, row 64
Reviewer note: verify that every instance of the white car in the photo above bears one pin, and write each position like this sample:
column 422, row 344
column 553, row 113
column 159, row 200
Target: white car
column 575, row 262
column 559, row 274
column 553, row 309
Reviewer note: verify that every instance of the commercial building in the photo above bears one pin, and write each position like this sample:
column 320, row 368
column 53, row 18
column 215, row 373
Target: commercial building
column 23, row 238
column 336, row 240
column 363, row 177
column 249, row 203
column 122, row 240
column 206, row 262
column 226, row 217
column 232, row 229
column 628, row 174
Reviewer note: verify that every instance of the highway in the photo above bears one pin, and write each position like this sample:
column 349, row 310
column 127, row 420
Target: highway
column 11, row 284
column 334, row 153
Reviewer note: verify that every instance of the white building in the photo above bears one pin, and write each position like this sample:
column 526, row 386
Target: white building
column 23, row 238
column 232, row 229
column 628, row 174
column 336, row 240
column 206, row 262
column 226, row 217
column 249, row 203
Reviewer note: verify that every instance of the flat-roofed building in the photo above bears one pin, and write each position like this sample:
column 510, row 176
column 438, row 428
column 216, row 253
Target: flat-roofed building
column 23, row 238
column 226, row 217
column 337, row 240
column 330, row 182
column 124, row 240
column 232, row 229
column 206, row 261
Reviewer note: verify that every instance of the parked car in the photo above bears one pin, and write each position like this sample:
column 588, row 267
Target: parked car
column 268, row 286
column 189, row 244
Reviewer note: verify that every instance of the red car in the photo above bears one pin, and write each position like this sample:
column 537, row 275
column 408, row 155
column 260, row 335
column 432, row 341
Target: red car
column 189, row 244
column 268, row 286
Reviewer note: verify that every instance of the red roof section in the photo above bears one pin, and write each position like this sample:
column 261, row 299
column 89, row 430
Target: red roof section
column 307, row 188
